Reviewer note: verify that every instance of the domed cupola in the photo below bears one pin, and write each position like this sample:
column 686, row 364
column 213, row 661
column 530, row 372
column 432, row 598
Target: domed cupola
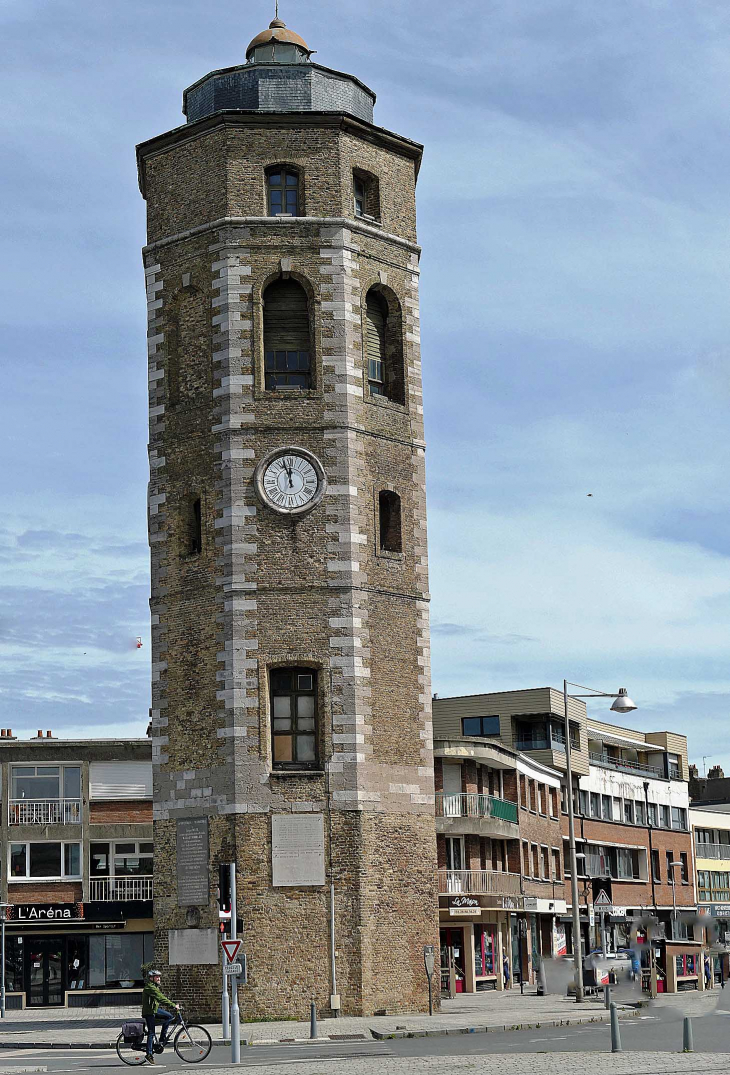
column 278, row 45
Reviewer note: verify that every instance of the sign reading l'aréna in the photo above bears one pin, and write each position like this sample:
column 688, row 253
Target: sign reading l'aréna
column 45, row 912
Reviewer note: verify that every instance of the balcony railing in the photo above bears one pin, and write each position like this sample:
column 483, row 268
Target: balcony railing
column 120, row 889
column 624, row 765
column 712, row 851
column 479, row 882
column 44, row 812
column 533, row 743
column 473, row 804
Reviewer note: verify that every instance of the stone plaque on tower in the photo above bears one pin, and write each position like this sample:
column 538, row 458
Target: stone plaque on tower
column 287, row 526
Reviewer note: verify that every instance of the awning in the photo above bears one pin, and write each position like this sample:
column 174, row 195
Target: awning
column 622, row 741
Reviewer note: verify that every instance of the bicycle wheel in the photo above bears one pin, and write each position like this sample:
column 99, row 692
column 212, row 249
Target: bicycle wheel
column 192, row 1043
column 132, row 1053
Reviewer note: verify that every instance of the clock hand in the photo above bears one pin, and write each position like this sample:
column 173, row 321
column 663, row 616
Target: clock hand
column 287, row 467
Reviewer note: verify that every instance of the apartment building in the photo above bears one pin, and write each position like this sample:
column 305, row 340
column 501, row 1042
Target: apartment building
column 711, row 832
column 499, row 844
column 632, row 823
column 76, row 874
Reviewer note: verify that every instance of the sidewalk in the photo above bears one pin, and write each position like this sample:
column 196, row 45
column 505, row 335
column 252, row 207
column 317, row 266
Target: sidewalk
column 82, row 1028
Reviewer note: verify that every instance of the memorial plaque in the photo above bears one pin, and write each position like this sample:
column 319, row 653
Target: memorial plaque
column 297, row 850
column 192, row 947
column 193, row 885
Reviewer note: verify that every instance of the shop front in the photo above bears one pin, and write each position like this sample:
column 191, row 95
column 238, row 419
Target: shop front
column 475, row 943
column 68, row 955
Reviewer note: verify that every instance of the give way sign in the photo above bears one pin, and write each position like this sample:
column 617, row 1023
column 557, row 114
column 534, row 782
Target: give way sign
column 230, row 949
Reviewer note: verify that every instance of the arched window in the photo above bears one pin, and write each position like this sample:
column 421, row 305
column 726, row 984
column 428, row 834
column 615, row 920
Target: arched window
column 286, row 336
column 376, row 315
column 391, row 539
column 282, row 186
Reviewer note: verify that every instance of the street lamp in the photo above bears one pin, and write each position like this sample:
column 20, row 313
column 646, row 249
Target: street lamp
column 621, row 704
column 3, row 912
column 674, row 899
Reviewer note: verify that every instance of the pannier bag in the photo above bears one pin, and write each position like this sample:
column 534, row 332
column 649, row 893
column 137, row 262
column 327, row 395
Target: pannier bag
column 133, row 1031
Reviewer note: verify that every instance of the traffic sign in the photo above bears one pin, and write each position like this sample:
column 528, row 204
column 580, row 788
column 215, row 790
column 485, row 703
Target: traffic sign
column 233, row 968
column 602, row 900
column 230, row 948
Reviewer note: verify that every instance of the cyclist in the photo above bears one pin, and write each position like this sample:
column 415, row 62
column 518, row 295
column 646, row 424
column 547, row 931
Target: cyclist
column 152, row 998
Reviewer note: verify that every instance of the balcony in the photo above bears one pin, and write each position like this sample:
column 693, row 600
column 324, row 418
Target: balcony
column 712, row 851
column 473, row 804
column 119, row 889
column 625, row 765
column 478, row 882
column 44, row 812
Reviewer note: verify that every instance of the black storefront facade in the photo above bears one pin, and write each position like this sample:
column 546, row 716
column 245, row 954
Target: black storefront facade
column 77, row 955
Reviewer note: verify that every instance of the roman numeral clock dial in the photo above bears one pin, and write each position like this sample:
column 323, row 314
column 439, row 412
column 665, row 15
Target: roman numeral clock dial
column 290, row 481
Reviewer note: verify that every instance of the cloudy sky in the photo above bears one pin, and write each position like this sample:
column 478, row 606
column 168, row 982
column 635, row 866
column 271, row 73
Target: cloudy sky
column 574, row 209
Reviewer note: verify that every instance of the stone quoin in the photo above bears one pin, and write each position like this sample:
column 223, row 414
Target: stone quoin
column 287, row 527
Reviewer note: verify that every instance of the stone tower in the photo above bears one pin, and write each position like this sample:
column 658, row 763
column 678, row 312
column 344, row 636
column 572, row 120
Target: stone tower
column 287, row 521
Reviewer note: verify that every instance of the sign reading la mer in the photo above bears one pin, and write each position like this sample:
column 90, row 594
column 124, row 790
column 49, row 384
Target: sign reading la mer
column 46, row 912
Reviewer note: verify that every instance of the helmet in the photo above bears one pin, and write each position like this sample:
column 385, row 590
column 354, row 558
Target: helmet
column 154, row 974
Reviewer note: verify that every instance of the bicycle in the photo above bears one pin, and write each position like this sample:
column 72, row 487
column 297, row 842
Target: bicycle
column 192, row 1043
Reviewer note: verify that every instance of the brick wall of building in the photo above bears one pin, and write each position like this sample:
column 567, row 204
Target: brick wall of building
column 120, row 813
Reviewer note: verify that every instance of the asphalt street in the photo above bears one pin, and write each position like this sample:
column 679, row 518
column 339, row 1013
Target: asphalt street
column 660, row 1031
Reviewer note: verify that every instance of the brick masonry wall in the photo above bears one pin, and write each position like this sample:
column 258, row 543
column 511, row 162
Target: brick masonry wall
column 266, row 591
column 639, row 893
column 48, row 892
column 120, row 813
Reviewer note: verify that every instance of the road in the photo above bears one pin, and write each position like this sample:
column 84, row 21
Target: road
column 660, row 1031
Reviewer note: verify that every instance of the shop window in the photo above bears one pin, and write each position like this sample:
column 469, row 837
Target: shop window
column 293, row 718
column 116, row 960
column 483, row 727
column 14, row 964
column 389, row 514
column 485, row 951
column 287, row 339
column 53, row 861
column 282, row 185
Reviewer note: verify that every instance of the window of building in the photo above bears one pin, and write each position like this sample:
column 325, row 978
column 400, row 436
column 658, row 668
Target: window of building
column 194, row 539
column 484, row 727
column 545, row 854
column 653, row 816
column 606, row 808
column 666, row 818
column 527, row 866
column 533, row 795
column 556, row 864
column 293, row 718
column 383, row 349
column 485, row 951
column 535, row 860
column 38, row 782
column 679, row 818
column 287, row 349
column 629, row 811
column 52, row 860
column 595, row 804
column 523, row 793
column 366, row 195
column 389, row 513
column 685, row 867
column 640, row 812
column 583, row 803
column 703, row 886
column 117, row 960
column 283, row 191
column 656, row 872
column 553, row 802
column 670, row 872
column 128, row 858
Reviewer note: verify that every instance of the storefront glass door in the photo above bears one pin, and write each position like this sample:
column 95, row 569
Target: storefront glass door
column 44, row 972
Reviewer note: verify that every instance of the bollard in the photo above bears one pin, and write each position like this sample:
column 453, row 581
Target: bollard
column 312, row 1020
column 688, row 1044
column 615, row 1032
column 607, row 997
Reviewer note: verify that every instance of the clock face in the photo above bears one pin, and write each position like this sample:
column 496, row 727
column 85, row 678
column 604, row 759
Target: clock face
column 290, row 481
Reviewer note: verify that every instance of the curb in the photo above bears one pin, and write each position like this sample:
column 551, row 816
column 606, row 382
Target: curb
column 538, row 1025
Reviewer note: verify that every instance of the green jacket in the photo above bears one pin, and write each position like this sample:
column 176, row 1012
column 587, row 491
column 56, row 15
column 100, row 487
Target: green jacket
column 152, row 998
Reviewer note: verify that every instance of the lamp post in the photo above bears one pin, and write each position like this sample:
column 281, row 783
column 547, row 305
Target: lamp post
column 3, row 912
column 621, row 704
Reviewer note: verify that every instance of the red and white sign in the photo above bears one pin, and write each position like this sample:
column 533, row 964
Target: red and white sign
column 231, row 949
